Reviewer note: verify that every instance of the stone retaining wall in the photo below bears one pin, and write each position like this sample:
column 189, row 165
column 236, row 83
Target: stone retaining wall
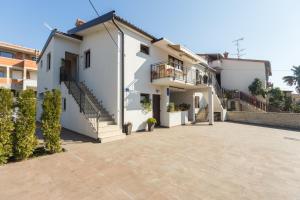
column 285, row 120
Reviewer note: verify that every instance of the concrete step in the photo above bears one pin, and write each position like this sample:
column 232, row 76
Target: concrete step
column 109, row 129
column 110, row 134
column 103, row 124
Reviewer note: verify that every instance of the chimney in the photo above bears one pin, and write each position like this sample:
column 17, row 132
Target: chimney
column 79, row 22
column 225, row 54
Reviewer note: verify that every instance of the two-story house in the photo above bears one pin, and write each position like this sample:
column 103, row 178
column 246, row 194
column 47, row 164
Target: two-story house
column 18, row 68
column 111, row 72
column 237, row 74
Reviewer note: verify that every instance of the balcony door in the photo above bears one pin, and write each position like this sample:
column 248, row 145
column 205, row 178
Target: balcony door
column 176, row 63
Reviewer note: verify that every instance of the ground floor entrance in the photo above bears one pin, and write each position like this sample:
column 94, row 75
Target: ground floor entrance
column 156, row 108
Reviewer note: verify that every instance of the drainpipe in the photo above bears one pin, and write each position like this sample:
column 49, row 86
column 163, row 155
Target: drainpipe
column 122, row 72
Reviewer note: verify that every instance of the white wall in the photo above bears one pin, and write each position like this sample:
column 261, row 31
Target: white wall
column 102, row 76
column 48, row 80
column 137, row 77
column 240, row 74
column 72, row 119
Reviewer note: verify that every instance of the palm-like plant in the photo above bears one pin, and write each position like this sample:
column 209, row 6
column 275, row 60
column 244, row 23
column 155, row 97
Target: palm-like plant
column 294, row 79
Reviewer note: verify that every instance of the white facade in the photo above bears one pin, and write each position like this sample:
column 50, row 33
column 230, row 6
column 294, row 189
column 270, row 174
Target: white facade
column 104, row 76
column 238, row 74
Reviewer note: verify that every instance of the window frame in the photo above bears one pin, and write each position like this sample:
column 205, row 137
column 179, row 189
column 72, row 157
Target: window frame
column 7, row 52
column 64, row 104
column 4, row 72
column 87, row 59
column 144, row 96
column 49, row 61
column 145, row 49
column 175, row 62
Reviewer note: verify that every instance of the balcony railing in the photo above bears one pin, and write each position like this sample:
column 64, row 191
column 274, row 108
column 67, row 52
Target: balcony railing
column 178, row 72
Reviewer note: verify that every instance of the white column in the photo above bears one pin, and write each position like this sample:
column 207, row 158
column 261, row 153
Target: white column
column 24, row 78
column 7, row 77
column 210, row 106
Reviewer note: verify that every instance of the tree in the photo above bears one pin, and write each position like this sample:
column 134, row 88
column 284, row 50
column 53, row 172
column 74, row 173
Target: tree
column 25, row 140
column 288, row 104
column 6, row 125
column 256, row 88
column 276, row 98
column 294, row 79
column 51, row 120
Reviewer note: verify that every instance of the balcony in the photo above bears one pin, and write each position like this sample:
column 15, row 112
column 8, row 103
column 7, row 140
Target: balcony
column 30, row 83
column 172, row 74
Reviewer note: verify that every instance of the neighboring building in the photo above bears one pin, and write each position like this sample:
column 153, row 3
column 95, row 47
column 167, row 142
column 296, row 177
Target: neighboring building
column 110, row 75
column 235, row 74
column 238, row 74
column 296, row 98
column 18, row 68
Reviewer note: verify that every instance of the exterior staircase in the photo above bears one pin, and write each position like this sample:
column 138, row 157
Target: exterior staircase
column 97, row 116
column 202, row 115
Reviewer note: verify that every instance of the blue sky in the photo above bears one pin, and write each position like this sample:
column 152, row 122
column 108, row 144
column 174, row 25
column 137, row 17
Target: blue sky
column 270, row 27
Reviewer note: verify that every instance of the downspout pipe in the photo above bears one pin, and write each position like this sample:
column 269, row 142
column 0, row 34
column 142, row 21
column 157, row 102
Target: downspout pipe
column 122, row 71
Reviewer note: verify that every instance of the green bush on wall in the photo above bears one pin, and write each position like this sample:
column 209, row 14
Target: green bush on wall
column 25, row 140
column 6, row 125
column 51, row 127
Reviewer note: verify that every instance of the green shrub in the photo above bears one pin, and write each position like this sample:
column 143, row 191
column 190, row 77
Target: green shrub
column 256, row 88
column 146, row 104
column 6, row 125
column 184, row 107
column 151, row 121
column 51, row 121
column 171, row 107
column 25, row 140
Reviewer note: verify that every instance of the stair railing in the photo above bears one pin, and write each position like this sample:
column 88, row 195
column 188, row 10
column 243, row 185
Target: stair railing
column 219, row 91
column 85, row 103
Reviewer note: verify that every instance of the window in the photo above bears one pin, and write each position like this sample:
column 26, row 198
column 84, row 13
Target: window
column 7, row 54
column 2, row 72
column 197, row 102
column 27, row 75
column 145, row 49
column 48, row 61
column 176, row 63
column 41, row 64
column 144, row 98
column 87, row 58
column 64, row 104
column 34, row 58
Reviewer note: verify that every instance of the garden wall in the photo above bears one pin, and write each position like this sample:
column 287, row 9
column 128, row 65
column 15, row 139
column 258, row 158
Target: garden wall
column 285, row 120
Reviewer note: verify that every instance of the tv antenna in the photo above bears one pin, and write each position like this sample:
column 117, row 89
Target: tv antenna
column 48, row 26
column 238, row 47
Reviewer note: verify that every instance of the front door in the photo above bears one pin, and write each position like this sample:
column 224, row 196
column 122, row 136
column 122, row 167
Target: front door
column 156, row 108
column 71, row 66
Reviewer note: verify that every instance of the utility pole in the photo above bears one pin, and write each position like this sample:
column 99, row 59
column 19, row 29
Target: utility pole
column 238, row 48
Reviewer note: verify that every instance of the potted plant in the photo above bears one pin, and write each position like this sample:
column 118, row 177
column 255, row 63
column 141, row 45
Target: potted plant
column 128, row 128
column 151, row 123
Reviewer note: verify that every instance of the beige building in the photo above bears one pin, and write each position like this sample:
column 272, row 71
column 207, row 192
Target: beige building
column 18, row 69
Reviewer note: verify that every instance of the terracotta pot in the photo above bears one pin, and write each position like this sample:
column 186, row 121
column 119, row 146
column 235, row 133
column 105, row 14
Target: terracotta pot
column 128, row 129
column 150, row 127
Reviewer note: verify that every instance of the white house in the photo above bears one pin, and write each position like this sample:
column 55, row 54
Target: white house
column 111, row 72
column 237, row 74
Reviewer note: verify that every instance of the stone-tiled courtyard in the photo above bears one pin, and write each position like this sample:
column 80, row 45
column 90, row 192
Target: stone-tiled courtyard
column 224, row 161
